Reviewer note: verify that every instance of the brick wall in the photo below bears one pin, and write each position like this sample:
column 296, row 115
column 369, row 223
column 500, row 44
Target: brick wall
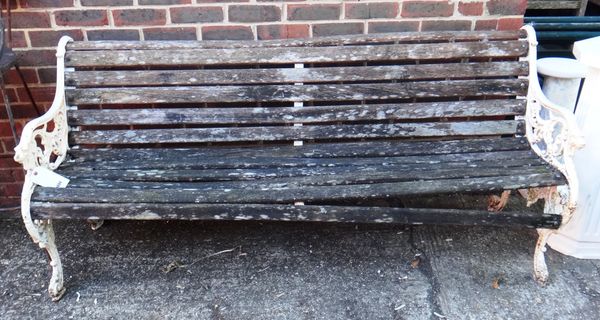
column 38, row 24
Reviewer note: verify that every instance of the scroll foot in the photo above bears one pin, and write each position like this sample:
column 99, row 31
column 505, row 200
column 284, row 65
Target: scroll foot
column 540, row 270
column 95, row 224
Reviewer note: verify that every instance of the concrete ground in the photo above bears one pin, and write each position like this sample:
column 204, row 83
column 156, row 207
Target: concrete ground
column 251, row 270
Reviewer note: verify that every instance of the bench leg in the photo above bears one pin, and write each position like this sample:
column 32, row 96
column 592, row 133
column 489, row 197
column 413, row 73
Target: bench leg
column 42, row 233
column 56, row 287
column 95, row 224
column 557, row 199
column 540, row 270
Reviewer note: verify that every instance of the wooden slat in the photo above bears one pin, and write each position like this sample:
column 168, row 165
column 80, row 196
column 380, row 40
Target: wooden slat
column 307, row 150
column 267, row 161
column 251, row 174
column 289, row 55
column 181, row 211
column 282, row 115
column 399, row 37
column 290, row 195
column 293, row 75
column 358, row 176
column 290, row 93
column 358, row 131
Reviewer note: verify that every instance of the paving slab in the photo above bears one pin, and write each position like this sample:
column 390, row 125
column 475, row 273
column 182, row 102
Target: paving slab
column 252, row 270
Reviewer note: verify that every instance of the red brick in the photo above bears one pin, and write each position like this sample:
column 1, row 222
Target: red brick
column 415, row 9
column 196, row 14
column 19, row 175
column 334, row 29
column 254, row 13
column 470, row 8
column 18, row 39
column 11, row 202
column 50, row 38
column 106, row 3
column 313, row 11
column 74, row 18
column 11, row 189
column 5, row 129
column 393, row 26
column 115, row 34
column 139, row 17
column 170, row 33
column 488, row 24
column 46, row 3
column 20, row 111
column 47, row 75
column 39, row 94
column 510, row 23
column 507, row 7
column 446, row 25
column 12, row 96
column 227, row 33
column 372, row 10
column 26, row 20
column 12, row 77
column 282, row 31
column 163, row 2
column 6, row 175
column 8, row 162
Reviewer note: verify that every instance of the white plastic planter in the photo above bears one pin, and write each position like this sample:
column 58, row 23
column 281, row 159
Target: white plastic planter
column 581, row 236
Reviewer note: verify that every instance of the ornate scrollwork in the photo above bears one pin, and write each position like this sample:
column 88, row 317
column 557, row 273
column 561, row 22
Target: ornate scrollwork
column 552, row 130
column 44, row 141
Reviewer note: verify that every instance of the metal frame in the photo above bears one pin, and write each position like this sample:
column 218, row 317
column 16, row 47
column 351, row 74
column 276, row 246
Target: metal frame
column 44, row 143
column 550, row 129
column 554, row 135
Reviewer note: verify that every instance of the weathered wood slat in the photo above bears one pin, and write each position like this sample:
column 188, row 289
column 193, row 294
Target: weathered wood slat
column 308, row 150
column 365, row 176
column 291, row 93
column 181, row 57
column 292, row 75
column 182, row 211
column 397, row 37
column 312, row 194
column 266, row 161
column 281, row 115
column 285, row 133
column 252, row 174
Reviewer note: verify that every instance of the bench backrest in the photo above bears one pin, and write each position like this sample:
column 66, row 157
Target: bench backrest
column 382, row 86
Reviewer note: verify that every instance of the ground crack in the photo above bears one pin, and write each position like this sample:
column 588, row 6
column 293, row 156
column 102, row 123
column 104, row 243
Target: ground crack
column 427, row 269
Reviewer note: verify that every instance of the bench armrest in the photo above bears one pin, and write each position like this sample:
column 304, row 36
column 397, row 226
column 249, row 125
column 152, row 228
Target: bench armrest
column 551, row 129
column 44, row 140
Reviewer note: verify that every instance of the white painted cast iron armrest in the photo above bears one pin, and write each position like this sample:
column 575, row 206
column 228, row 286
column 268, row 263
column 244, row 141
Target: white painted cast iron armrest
column 44, row 140
column 551, row 129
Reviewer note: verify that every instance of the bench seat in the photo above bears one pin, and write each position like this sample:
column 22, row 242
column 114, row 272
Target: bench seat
column 316, row 175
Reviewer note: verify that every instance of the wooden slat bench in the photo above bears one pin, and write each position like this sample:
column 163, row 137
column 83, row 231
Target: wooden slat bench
column 298, row 130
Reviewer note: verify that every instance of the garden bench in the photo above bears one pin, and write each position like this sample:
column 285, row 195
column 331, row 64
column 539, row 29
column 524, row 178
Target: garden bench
column 321, row 129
